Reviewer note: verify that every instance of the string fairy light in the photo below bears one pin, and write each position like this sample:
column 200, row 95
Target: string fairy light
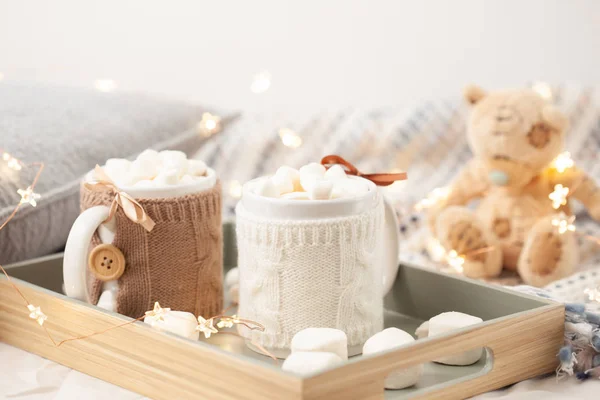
column 155, row 315
column 455, row 260
column 543, row 89
column 12, row 162
column 559, row 196
column 36, row 314
column 563, row 223
column 228, row 322
column 105, row 85
column 206, row 326
column 28, row 196
column 235, row 189
column 434, row 197
column 562, row 162
column 593, row 294
column 290, row 138
column 261, row 82
column 209, row 124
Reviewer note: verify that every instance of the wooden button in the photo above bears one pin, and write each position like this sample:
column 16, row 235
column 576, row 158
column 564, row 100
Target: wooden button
column 106, row 262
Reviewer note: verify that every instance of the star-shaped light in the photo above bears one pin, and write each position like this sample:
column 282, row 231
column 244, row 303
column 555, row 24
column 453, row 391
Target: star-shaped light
column 563, row 162
column 157, row 314
column 206, row 327
column 28, row 196
column 559, row 196
column 228, row 322
column 36, row 314
column 455, row 260
column 432, row 198
column 12, row 162
column 209, row 124
column 564, row 223
column 593, row 294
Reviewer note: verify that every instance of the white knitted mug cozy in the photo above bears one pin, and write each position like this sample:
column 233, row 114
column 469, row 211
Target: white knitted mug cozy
column 318, row 272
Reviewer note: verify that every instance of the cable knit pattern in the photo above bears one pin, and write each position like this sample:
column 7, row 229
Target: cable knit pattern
column 179, row 263
column 311, row 273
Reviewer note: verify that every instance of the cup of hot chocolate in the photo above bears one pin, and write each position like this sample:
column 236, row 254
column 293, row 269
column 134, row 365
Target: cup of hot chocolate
column 317, row 248
column 122, row 266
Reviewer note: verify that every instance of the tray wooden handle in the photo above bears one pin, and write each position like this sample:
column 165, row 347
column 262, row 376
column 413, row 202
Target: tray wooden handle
column 535, row 337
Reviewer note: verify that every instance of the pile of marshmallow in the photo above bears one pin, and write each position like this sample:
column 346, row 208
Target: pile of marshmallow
column 311, row 182
column 317, row 349
column 156, row 169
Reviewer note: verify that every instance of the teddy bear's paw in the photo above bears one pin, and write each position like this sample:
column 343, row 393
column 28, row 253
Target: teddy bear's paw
column 548, row 254
column 459, row 230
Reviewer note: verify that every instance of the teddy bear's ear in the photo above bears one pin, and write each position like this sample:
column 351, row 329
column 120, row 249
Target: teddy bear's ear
column 553, row 117
column 473, row 93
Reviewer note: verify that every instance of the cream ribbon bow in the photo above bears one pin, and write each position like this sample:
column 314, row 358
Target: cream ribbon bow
column 132, row 209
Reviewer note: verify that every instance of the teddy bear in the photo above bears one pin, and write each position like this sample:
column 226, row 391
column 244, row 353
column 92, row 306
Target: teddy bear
column 522, row 220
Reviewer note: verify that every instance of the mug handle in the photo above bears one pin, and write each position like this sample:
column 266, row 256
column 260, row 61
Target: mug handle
column 391, row 242
column 76, row 250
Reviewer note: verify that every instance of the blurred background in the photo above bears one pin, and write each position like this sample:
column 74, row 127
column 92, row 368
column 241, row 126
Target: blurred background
column 307, row 55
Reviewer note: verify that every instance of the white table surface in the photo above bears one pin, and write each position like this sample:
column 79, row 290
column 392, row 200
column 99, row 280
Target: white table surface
column 26, row 376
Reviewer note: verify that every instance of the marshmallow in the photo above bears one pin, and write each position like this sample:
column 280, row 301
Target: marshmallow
column 287, row 179
column 142, row 169
column 167, row 177
column 309, row 174
column 117, row 168
column 449, row 321
column 320, row 190
column 149, row 155
column 388, row 339
column 423, row 330
column 196, row 167
column 308, row 363
column 321, row 340
column 267, row 188
column 232, row 277
column 335, row 173
column 177, row 322
column 348, row 188
column 176, row 160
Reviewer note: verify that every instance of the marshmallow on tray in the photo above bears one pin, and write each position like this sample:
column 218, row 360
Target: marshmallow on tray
column 449, row 321
column 388, row 339
column 178, row 322
column 287, row 180
column 307, row 363
column 267, row 188
column 321, row 340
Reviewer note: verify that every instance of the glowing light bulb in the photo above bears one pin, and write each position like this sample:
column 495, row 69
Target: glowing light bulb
column 36, row 314
column 235, row 189
column 543, row 89
column 564, row 223
column 209, row 125
column 455, row 260
column 593, row 294
column 157, row 314
column 105, row 85
column 289, row 138
column 559, row 196
column 28, row 196
column 261, row 82
column 563, row 162
column 433, row 198
column 206, row 326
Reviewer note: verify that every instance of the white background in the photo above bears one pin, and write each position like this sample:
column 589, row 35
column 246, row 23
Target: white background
column 321, row 54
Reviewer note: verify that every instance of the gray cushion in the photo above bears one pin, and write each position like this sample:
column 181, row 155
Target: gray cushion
column 71, row 130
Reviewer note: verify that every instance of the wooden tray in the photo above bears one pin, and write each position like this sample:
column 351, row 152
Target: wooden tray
column 521, row 334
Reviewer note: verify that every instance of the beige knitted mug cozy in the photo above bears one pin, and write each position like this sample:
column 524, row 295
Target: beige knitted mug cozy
column 178, row 263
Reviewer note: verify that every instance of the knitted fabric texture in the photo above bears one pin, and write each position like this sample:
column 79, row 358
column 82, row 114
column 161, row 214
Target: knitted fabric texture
column 178, row 263
column 311, row 273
